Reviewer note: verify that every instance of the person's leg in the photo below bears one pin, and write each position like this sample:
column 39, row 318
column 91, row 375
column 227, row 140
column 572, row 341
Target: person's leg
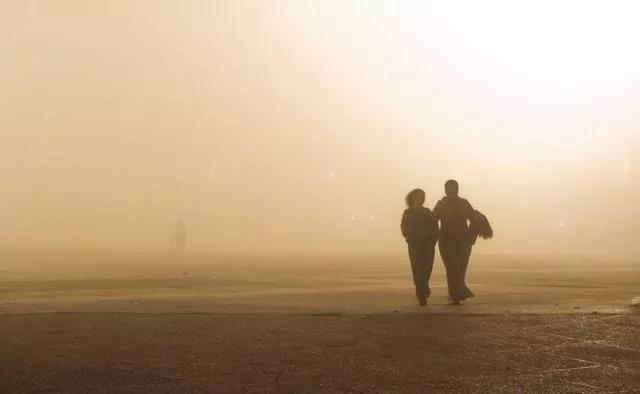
column 416, row 256
column 423, row 281
column 465, row 256
column 451, row 265
column 417, row 271
column 430, row 254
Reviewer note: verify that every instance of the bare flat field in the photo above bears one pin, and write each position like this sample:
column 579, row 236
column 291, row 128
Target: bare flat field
column 360, row 284
column 135, row 323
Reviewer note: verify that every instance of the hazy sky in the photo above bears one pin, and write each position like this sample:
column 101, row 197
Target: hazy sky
column 300, row 125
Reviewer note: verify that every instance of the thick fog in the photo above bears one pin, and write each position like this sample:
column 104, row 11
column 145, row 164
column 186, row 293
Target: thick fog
column 299, row 126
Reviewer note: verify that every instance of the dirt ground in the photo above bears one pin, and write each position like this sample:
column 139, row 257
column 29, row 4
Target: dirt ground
column 116, row 323
column 320, row 284
column 382, row 353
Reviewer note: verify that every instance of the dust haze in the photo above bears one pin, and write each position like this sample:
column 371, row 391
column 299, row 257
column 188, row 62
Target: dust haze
column 206, row 196
column 298, row 126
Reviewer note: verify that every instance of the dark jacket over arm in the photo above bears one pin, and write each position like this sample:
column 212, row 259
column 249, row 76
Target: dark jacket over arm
column 480, row 227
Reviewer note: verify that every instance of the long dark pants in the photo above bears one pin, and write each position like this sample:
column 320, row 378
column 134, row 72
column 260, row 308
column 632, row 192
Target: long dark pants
column 455, row 256
column 421, row 256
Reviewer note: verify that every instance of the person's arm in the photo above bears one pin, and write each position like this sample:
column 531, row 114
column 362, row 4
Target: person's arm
column 403, row 225
column 434, row 229
column 437, row 212
column 469, row 211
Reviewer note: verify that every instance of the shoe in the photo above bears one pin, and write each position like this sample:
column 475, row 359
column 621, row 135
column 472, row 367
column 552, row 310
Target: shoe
column 455, row 302
column 422, row 298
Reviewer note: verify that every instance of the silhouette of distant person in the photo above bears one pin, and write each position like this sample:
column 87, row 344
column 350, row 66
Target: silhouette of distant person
column 455, row 239
column 180, row 236
column 420, row 229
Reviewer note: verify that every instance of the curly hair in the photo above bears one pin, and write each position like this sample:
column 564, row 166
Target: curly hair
column 415, row 193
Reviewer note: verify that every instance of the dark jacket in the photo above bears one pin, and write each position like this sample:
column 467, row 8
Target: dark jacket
column 480, row 227
column 419, row 225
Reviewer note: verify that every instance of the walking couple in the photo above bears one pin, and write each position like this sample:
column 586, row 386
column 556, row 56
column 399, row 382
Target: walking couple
column 454, row 225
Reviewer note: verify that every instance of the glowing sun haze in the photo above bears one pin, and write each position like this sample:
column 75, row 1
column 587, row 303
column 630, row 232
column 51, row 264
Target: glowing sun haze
column 300, row 125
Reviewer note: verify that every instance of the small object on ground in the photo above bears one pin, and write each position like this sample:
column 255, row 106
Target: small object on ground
column 185, row 273
column 577, row 307
column 635, row 302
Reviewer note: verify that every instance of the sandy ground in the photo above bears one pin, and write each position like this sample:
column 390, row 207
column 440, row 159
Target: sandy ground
column 154, row 283
column 125, row 323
